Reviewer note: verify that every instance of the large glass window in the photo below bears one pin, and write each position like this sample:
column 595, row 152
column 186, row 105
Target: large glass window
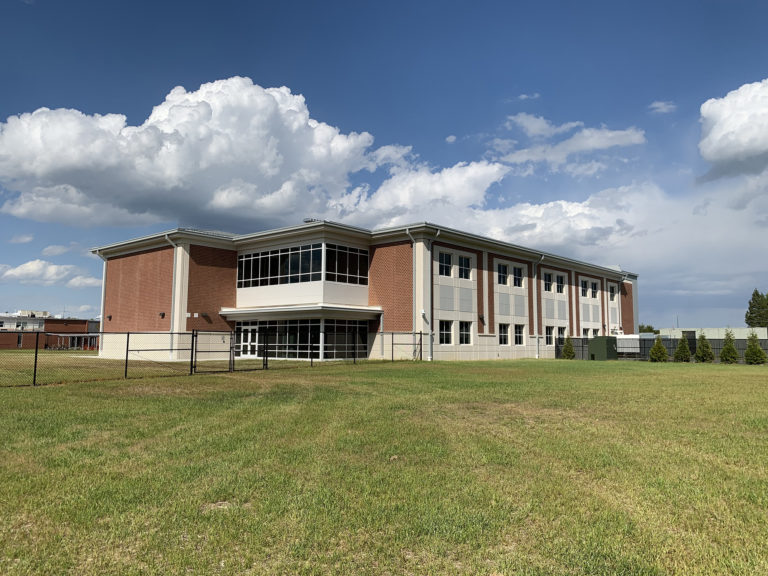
column 560, row 283
column 519, row 334
column 594, row 289
column 547, row 282
column 503, row 275
column 583, row 288
column 446, row 330
column 612, row 290
column 560, row 335
column 345, row 264
column 465, row 265
column 445, row 264
column 283, row 266
column 518, row 276
column 503, row 334
column 301, row 339
column 465, row 332
column 548, row 341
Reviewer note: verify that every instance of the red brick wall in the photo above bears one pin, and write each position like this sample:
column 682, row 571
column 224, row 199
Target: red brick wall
column 10, row 340
column 212, row 285
column 138, row 288
column 390, row 284
column 61, row 326
column 627, row 308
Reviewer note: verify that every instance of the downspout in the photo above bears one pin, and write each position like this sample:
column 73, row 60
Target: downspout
column 173, row 291
column 413, row 284
column 536, row 305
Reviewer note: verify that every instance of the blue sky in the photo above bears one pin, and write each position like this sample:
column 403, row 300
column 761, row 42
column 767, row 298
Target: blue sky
column 614, row 132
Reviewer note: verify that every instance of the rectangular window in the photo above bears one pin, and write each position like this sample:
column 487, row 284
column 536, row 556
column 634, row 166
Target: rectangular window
column 612, row 290
column 561, row 335
column 446, row 330
column 519, row 334
column 547, row 282
column 585, row 333
column 517, row 275
column 284, row 266
column 595, row 332
column 560, row 283
column 465, row 332
column 583, row 288
column 445, row 264
column 503, row 334
column 594, row 289
column 343, row 264
column 464, row 267
column 548, row 340
column 503, row 270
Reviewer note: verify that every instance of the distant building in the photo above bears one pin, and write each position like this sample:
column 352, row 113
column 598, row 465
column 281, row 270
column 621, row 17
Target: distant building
column 19, row 331
column 465, row 296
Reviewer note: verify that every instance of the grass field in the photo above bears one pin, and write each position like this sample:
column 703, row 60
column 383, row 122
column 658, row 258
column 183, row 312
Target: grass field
column 525, row 467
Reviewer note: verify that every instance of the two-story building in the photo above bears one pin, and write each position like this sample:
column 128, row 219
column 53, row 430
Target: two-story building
column 327, row 290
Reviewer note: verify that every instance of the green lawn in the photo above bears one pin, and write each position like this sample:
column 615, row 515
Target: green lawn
column 525, row 467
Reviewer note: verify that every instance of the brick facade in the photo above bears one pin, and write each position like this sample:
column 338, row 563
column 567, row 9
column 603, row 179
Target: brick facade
column 627, row 308
column 212, row 285
column 139, row 288
column 390, row 284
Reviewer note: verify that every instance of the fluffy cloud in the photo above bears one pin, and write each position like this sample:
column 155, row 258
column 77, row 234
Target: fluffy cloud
column 56, row 250
column 585, row 141
column 538, row 127
column 22, row 239
column 229, row 154
column 662, row 107
column 734, row 131
column 47, row 274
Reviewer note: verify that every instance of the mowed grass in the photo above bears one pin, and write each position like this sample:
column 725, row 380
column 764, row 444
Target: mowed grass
column 525, row 467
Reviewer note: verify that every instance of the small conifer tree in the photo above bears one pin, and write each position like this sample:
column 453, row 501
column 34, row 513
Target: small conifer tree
column 729, row 354
column 754, row 354
column 683, row 351
column 658, row 352
column 568, row 351
column 704, row 352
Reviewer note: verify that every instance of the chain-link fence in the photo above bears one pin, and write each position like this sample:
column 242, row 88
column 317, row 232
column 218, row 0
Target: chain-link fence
column 640, row 348
column 36, row 358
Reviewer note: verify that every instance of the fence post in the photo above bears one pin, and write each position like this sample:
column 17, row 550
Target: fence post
column 37, row 347
column 232, row 351
column 127, row 341
column 266, row 350
column 392, row 335
column 192, row 352
column 354, row 346
column 311, row 349
column 421, row 345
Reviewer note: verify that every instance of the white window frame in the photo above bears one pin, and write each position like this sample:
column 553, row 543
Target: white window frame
column 445, row 263
column 465, row 267
column 503, row 334
column 465, row 332
column 445, row 336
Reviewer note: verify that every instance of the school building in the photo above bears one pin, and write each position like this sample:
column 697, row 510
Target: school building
column 328, row 290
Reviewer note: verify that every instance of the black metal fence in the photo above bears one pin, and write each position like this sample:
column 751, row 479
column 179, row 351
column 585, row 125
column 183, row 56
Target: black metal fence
column 37, row 358
column 640, row 349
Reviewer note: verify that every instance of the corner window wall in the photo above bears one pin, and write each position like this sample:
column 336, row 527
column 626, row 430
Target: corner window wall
column 345, row 264
column 283, row 266
column 303, row 264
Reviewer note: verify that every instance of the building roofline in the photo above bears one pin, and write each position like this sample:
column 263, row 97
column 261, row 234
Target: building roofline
column 234, row 240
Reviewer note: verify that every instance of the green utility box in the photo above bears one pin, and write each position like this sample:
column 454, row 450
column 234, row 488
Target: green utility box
column 603, row 348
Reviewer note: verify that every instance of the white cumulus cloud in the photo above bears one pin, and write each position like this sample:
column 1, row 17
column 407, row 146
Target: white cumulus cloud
column 539, row 127
column 230, row 154
column 662, row 107
column 585, row 141
column 22, row 239
column 47, row 274
column 734, row 131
